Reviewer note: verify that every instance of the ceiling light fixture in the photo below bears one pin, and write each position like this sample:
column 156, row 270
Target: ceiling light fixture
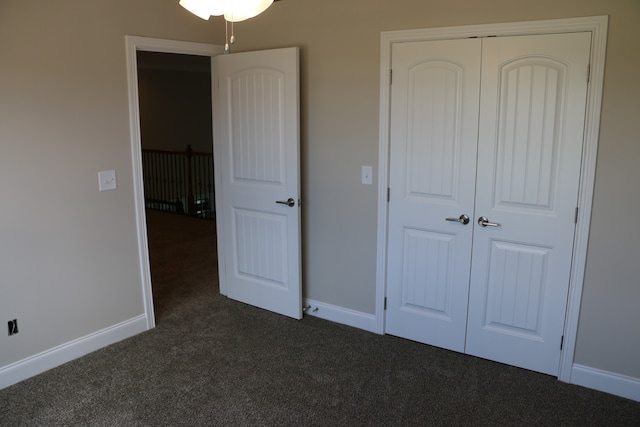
column 233, row 11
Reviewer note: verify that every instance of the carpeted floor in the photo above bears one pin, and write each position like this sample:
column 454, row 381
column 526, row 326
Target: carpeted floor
column 212, row 361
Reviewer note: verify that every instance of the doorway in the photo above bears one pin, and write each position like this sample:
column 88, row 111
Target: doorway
column 133, row 46
column 177, row 154
column 596, row 27
column 485, row 128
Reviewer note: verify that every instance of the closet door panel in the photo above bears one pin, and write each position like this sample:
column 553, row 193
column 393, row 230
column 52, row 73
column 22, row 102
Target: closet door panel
column 529, row 152
column 433, row 140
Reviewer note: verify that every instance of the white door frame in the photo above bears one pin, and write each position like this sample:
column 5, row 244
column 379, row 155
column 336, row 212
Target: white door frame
column 134, row 44
column 597, row 25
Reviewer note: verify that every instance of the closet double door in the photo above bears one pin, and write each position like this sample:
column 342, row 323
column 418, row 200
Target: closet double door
column 486, row 142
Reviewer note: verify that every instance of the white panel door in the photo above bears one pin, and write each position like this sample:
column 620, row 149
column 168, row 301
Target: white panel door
column 529, row 153
column 257, row 159
column 433, row 140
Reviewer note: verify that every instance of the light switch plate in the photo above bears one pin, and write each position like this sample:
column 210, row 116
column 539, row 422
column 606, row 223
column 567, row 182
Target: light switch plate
column 107, row 180
column 367, row 175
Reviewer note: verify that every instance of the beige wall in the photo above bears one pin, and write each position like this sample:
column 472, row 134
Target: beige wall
column 68, row 253
column 340, row 80
column 68, row 260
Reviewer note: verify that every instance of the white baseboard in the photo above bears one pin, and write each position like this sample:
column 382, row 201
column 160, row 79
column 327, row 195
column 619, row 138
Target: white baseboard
column 36, row 364
column 609, row 382
column 342, row 315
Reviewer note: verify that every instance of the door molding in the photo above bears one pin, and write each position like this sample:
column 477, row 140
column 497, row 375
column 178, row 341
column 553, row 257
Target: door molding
column 134, row 44
column 597, row 26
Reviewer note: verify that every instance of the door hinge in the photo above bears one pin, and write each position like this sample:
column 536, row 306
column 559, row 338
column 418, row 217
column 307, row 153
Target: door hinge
column 390, row 77
column 388, row 194
column 588, row 72
column 575, row 218
column 385, row 303
column 561, row 342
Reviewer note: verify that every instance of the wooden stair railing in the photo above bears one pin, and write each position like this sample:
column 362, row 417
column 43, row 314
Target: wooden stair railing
column 179, row 181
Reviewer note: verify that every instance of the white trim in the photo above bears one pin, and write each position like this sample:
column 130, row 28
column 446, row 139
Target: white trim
column 134, row 44
column 597, row 25
column 598, row 28
column 608, row 382
column 345, row 316
column 56, row 356
column 217, row 178
column 383, row 180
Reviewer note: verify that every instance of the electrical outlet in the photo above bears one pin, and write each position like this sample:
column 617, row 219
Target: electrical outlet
column 13, row 326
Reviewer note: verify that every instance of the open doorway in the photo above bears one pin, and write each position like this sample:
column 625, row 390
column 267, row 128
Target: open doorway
column 179, row 250
column 174, row 92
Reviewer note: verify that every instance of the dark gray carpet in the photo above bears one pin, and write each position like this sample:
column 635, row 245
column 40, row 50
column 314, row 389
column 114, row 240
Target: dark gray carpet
column 213, row 361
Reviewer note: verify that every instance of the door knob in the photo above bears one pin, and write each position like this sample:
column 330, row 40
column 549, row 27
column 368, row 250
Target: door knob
column 290, row 202
column 463, row 219
column 484, row 221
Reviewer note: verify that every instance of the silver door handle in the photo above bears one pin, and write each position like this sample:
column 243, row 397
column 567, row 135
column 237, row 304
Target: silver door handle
column 463, row 219
column 290, row 202
column 484, row 221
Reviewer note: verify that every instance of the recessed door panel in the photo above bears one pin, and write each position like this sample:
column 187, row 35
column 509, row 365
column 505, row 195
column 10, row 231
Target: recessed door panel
column 530, row 120
column 427, row 273
column 261, row 239
column 433, row 128
column 257, row 107
column 515, row 294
